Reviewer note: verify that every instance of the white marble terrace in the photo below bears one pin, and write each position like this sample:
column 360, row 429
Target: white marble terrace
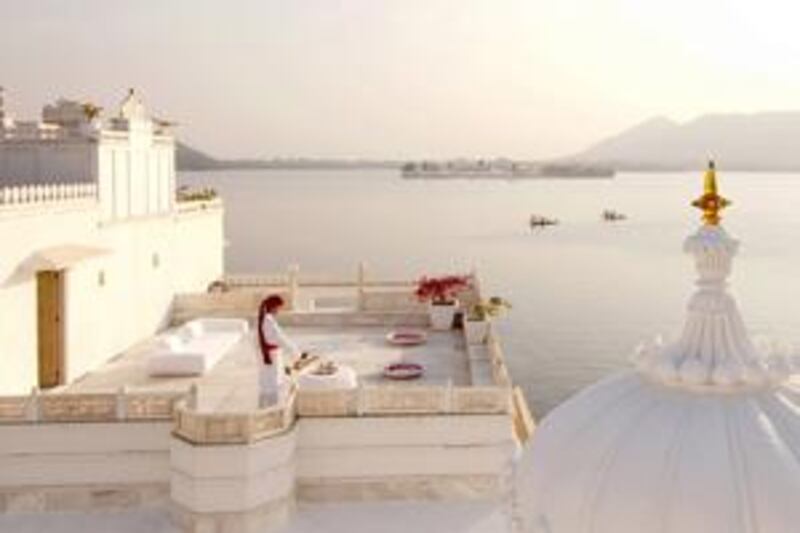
column 198, row 454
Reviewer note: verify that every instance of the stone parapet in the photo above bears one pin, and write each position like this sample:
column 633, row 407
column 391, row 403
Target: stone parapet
column 56, row 407
column 46, row 193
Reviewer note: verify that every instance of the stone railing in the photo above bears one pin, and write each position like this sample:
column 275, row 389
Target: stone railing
column 216, row 427
column 45, row 193
column 373, row 294
column 411, row 400
column 239, row 295
column 498, row 361
column 38, row 132
column 294, row 277
column 121, row 406
column 233, row 304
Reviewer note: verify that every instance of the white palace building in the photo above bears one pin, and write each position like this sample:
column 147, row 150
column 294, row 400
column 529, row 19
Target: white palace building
column 128, row 364
column 95, row 246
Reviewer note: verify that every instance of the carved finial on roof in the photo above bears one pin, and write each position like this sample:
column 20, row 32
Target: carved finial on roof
column 711, row 203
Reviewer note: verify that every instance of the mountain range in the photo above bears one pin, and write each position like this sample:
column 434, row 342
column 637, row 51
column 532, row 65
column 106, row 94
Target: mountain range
column 768, row 141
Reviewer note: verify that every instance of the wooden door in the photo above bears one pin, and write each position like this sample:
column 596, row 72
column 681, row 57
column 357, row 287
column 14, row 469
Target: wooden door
column 50, row 308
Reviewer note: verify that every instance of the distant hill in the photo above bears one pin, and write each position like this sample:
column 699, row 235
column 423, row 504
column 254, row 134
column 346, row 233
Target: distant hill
column 188, row 158
column 760, row 141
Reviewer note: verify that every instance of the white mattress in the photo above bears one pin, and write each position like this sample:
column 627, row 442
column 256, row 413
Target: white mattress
column 194, row 348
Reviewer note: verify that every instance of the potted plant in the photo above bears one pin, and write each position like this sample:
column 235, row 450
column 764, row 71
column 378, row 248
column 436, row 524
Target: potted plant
column 479, row 316
column 440, row 293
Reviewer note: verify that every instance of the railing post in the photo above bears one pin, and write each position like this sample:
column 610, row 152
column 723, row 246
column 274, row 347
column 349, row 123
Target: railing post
column 360, row 283
column 32, row 411
column 192, row 400
column 361, row 401
column 122, row 404
column 293, row 285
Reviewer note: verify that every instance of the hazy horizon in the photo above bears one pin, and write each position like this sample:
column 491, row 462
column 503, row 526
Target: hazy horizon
column 394, row 79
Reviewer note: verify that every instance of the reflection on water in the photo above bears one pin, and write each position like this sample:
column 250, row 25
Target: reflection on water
column 585, row 292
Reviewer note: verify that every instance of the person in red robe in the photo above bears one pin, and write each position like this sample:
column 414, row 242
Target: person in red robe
column 273, row 344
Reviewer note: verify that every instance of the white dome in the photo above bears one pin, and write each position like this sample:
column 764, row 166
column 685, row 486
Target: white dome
column 703, row 437
column 629, row 456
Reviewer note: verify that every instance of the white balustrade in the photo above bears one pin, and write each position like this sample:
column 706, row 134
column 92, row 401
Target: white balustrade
column 31, row 194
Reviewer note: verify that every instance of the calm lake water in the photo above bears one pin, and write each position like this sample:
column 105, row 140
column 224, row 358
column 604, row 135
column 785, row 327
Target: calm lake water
column 585, row 292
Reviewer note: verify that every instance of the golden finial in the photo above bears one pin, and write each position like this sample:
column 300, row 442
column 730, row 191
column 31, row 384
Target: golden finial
column 711, row 203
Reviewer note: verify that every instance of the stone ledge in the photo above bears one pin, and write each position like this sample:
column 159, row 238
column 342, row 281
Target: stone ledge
column 414, row 488
column 85, row 498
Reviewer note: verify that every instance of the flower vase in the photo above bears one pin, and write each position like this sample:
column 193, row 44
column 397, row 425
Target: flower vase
column 442, row 315
column 476, row 331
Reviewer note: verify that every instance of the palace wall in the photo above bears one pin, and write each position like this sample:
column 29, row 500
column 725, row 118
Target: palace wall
column 135, row 174
column 111, row 300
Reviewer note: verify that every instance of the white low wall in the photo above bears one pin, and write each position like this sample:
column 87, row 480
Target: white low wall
column 54, row 455
column 217, row 479
column 410, row 457
column 253, row 487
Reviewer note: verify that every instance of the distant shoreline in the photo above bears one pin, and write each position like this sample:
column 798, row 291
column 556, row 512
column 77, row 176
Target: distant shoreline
column 267, row 166
column 192, row 160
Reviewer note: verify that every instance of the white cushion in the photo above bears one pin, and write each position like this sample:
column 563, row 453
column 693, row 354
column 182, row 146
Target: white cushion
column 196, row 347
column 173, row 343
column 195, row 328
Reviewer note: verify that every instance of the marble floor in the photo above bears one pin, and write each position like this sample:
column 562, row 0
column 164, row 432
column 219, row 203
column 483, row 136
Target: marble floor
column 231, row 386
column 386, row 517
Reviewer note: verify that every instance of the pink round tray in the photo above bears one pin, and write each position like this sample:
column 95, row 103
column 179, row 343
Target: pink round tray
column 406, row 338
column 403, row 371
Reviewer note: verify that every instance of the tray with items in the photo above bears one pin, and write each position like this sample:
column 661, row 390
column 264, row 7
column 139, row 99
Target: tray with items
column 403, row 371
column 406, row 338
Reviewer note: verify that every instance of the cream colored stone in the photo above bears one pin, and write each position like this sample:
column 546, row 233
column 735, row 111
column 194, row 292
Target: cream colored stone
column 403, row 431
column 234, row 460
column 418, row 488
column 67, row 499
column 29, row 501
column 267, row 517
column 402, row 461
column 84, row 438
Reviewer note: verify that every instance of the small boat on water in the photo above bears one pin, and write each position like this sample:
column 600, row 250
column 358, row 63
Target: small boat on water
column 539, row 221
column 609, row 215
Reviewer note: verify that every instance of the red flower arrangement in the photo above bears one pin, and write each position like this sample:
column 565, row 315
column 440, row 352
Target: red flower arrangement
column 441, row 290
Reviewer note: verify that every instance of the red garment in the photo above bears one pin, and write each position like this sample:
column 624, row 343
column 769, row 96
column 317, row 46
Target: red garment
column 267, row 349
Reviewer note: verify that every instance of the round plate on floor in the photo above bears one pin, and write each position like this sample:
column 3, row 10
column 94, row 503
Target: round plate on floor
column 403, row 371
column 406, row 338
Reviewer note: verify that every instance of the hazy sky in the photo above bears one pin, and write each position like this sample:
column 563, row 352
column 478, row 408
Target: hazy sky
column 385, row 78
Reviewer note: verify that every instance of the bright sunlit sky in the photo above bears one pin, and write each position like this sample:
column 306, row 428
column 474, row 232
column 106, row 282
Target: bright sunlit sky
column 404, row 78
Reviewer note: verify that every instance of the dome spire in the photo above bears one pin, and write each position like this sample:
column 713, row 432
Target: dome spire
column 711, row 203
column 704, row 438
column 714, row 348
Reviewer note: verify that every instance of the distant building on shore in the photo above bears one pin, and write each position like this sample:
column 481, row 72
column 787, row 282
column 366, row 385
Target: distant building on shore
column 130, row 156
